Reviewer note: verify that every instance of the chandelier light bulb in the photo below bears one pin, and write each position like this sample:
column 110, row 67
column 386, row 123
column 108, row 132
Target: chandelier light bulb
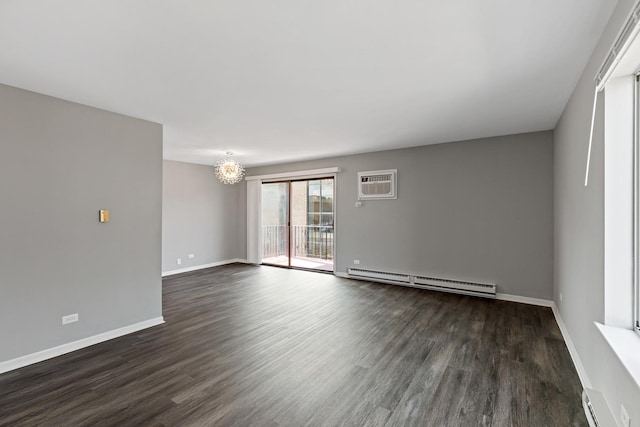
column 229, row 171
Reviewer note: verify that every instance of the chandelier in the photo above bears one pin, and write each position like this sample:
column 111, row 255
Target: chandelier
column 228, row 170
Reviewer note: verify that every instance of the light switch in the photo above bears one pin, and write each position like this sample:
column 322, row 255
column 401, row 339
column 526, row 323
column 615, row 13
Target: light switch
column 104, row 215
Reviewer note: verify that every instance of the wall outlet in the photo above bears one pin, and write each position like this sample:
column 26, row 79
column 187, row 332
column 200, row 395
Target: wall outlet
column 560, row 296
column 356, row 261
column 191, row 256
column 624, row 417
column 179, row 261
column 69, row 318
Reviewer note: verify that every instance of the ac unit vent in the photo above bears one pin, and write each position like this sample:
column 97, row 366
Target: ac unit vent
column 377, row 184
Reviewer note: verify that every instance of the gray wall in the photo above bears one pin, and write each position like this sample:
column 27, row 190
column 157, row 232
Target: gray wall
column 579, row 240
column 60, row 163
column 478, row 210
column 199, row 216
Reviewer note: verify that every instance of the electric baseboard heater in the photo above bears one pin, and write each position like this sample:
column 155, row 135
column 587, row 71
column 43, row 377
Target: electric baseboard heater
column 485, row 290
column 596, row 409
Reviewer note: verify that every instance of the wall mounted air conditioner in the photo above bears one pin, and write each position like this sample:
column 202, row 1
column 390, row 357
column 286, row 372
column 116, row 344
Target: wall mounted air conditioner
column 374, row 185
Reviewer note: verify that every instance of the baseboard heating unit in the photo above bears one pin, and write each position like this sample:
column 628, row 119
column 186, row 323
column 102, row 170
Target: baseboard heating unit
column 485, row 290
column 596, row 409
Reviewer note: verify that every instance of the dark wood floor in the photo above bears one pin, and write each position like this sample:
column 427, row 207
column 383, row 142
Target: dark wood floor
column 245, row 345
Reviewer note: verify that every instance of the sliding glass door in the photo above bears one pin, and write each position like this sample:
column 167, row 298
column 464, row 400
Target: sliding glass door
column 298, row 223
column 275, row 223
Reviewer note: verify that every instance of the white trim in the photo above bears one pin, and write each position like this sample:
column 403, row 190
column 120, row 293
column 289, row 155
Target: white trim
column 618, row 50
column 573, row 351
column 203, row 266
column 524, row 300
column 618, row 201
column 254, row 222
column 335, row 220
column 49, row 353
column 296, row 174
column 625, row 343
column 499, row 296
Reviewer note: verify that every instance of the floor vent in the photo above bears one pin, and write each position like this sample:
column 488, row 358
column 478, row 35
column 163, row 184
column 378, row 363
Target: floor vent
column 485, row 290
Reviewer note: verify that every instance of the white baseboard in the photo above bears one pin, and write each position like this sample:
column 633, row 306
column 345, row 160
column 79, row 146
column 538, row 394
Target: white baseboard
column 203, row 266
column 503, row 297
column 573, row 351
column 525, row 300
column 49, row 353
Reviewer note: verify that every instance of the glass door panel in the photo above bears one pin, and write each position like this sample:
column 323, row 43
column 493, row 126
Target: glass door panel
column 312, row 224
column 297, row 224
column 275, row 223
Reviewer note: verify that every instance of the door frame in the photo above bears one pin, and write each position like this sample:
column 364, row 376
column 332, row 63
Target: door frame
column 288, row 181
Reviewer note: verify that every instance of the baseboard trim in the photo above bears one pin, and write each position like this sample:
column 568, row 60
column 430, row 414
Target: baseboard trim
column 203, row 266
column 50, row 353
column 573, row 351
column 524, row 300
column 499, row 296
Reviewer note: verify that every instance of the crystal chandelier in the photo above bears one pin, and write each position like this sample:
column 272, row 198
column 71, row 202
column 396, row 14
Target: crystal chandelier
column 228, row 170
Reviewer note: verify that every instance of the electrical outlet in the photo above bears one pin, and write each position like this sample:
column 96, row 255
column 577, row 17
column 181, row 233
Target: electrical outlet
column 179, row 261
column 69, row 318
column 191, row 256
column 560, row 296
column 624, row 417
column 356, row 261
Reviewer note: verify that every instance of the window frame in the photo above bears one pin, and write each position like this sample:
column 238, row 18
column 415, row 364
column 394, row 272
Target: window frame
column 636, row 205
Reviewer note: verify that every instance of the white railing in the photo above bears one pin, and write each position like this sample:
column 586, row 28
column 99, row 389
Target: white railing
column 311, row 241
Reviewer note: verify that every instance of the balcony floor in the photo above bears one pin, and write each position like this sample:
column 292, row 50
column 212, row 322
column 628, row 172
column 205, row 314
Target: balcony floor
column 301, row 262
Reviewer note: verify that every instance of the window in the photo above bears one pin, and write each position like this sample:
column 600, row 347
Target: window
column 618, row 77
column 320, row 204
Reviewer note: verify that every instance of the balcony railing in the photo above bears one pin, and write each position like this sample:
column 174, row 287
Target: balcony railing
column 313, row 241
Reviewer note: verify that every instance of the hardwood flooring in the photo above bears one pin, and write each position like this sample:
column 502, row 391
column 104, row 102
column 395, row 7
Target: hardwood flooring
column 245, row 345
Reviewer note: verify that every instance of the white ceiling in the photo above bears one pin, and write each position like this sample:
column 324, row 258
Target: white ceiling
column 286, row 80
